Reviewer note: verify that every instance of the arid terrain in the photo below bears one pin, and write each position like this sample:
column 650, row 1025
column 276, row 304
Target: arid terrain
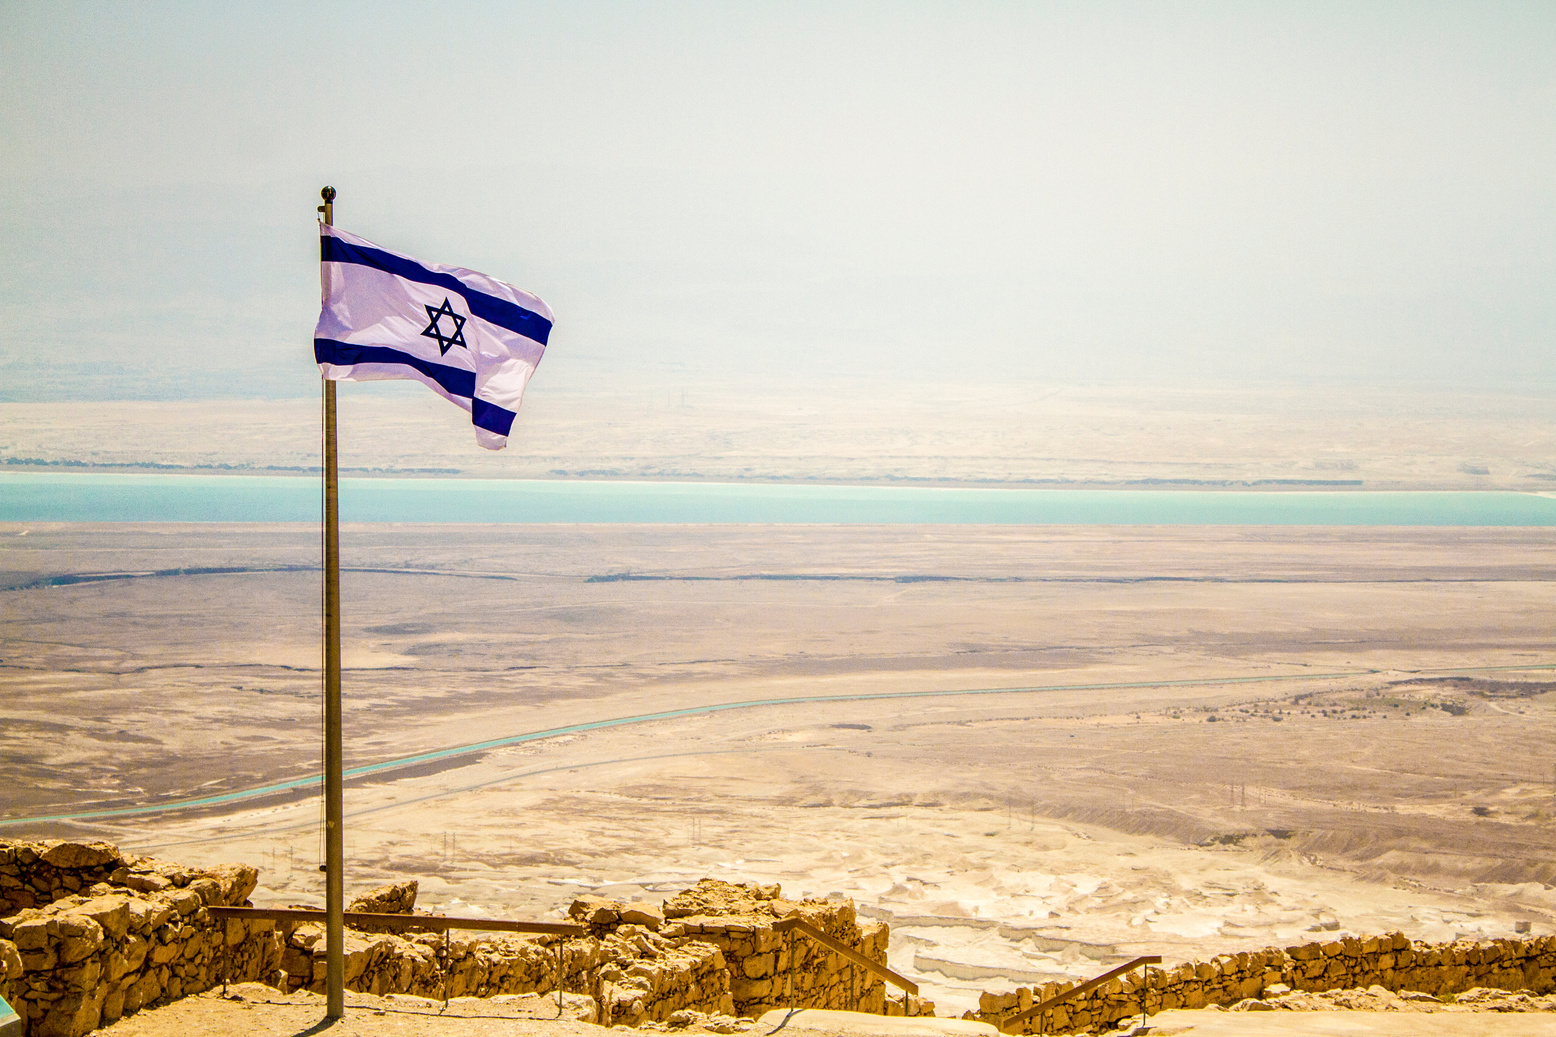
column 1021, row 434
column 1032, row 749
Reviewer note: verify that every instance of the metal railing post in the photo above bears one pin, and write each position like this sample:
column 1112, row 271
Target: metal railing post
column 1145, row 994
column 443, row 965
column 1036, row 1011
column 791, row 970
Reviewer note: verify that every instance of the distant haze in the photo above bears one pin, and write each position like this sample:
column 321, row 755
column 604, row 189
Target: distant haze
column 1330, row 194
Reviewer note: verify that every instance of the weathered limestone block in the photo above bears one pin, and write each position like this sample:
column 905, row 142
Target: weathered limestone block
column 40, row 961
column 34, row 934
column 147, row 915
column 397, row 898
column 910, row 1005
column 84, row 976
column 643, row 913
column 358, row 953
column 746, row 991
column 184, row 901
column 145, row 883
column 165, row 948
column 235, row 883
column 596, row 911
column 194, row 945
column 992, row 1004
column 10, row 961
column 79, row 938
column 112, row 913
column 206, row 890
column 73, row 1015
column 716, row 897
column 68, row 856
column 759, row 966
column 113, row 1002
column 116, row 963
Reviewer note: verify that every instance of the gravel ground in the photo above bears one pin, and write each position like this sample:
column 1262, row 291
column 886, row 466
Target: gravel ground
column 253, row 1010
column 1349, row 1024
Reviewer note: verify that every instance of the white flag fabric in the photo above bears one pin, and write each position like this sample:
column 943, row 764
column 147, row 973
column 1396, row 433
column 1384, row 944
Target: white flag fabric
column 470, row 338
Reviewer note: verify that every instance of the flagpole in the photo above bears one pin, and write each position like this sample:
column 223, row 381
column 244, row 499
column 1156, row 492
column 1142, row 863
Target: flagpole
column 334, row 818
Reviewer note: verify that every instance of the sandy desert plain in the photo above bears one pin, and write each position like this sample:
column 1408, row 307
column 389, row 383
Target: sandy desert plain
column 1033, row 750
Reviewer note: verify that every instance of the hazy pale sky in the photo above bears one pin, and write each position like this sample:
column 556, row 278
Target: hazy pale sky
column 1344, row 193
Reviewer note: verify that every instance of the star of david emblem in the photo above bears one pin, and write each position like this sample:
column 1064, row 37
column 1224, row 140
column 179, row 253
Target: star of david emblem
column 435, row 315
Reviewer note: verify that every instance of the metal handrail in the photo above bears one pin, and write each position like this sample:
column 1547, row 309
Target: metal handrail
column 1085, row 988
column 436, row 922
column 799, row 925
column 442, row 923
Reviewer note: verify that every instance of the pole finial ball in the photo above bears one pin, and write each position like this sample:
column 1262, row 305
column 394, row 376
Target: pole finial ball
column 328, row 194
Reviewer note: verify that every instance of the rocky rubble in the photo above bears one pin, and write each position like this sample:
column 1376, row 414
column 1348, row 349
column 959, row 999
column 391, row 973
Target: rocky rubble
column 763, row 964
column 89, row 935
column 736, row 921
column 710, row 950
column 631, row 971
column 398, row 898
column 1387, row 963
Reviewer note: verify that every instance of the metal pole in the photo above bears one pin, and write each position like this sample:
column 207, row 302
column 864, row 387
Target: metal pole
column 791, row 970
column 334, row 819
column 1145, row 993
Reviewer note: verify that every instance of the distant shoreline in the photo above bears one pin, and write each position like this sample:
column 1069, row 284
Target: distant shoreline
column 51, row 494
column 1016, row 440
column 1153, row 483
column 1542, row 483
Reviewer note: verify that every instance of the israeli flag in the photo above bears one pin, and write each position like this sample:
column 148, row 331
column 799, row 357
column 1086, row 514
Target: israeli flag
column 470, row 338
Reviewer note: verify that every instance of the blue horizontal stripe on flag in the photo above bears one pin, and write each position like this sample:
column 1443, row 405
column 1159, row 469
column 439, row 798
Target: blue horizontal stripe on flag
column 490, row 417
column 487, row 307
column 457, row 382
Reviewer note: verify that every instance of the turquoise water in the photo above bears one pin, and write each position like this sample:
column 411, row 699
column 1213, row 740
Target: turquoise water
column 84, row 497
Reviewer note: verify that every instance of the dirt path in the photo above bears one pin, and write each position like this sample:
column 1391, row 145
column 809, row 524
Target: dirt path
column 259, row 1011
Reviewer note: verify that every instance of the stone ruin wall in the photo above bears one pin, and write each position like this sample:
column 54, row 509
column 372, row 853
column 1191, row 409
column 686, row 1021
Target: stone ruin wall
column 1390, row 961
column 770, row 969
column 628, row 970
column 88, row 934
